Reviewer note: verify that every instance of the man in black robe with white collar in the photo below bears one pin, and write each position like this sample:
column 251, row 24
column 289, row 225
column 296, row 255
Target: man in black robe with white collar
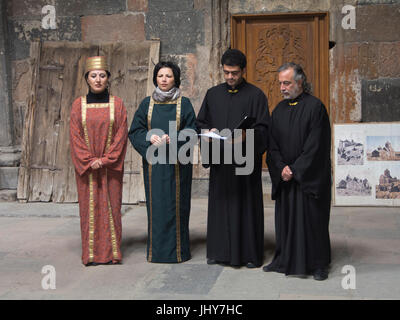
column 235, row 223
column 299, row 162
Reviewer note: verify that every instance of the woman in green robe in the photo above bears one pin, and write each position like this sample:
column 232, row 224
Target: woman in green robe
column 156, row 126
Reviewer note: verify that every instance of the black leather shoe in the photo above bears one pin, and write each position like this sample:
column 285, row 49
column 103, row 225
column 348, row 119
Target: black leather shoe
column 320, row 274
column 267, row 268
column 251, row 265
column 91, row 264
column 211, row 261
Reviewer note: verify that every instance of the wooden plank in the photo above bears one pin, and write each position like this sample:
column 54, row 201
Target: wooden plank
column 41, row 187
column 45, row 127
column 26, row 145
column 154, row 58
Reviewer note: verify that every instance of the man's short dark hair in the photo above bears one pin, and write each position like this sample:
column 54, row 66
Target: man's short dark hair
column 234, row 57
column 168, row 64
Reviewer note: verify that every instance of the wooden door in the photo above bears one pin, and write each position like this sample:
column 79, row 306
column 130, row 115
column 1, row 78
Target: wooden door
column 273, row 39
column 46, row 172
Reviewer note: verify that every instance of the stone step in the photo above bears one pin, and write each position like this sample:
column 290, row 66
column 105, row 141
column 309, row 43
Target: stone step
column 8, row 195
column 8, row 177
column 10, row 159
column 10, row 149
column 10, row 156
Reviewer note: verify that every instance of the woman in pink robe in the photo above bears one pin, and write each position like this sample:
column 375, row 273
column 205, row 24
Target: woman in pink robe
column 98, row 139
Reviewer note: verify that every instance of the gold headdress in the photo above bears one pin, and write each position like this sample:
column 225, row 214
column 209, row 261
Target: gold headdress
column 96, row 63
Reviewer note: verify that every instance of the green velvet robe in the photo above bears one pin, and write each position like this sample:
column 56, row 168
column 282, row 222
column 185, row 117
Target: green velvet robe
column 167, row 186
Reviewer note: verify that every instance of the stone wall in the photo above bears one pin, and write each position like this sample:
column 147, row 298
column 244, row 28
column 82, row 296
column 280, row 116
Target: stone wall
column 195, row 32
column 364, row 62
column 6, row 118
column 364, row 67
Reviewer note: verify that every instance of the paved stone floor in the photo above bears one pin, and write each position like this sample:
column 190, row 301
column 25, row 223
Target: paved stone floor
column 38, row 234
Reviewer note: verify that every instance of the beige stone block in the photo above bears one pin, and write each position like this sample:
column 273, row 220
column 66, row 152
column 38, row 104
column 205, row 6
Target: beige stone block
column 137, row 5
column 115, row 27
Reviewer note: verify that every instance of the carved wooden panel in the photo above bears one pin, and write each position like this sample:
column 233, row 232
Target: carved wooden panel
column 276, row 44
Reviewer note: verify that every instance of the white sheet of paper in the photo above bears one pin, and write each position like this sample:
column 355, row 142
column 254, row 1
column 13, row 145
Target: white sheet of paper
column 212, row 135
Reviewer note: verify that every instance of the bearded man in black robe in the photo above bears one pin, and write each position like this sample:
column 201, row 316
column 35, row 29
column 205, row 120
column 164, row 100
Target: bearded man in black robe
column 235, row 223
column 299, row 162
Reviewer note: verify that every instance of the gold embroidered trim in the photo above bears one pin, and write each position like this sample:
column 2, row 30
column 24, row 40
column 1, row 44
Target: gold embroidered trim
column 233, row 91
column 112, row 227
column 167, row 102
column 91, row 195
column 149, row 115
column 293, row 103
column 112, row 119
column 91, row 218
column 97, row 105
column 178, row 113
column 178, row 188
column 113, row 235
column 83, row 110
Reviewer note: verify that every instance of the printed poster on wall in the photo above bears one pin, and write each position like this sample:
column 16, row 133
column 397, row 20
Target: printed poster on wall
column 367, row 164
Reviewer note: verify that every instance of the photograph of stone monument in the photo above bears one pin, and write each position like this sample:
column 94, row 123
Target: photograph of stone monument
column 353, row 186
column 388, row 187
column 350, row 152
column 383, row 148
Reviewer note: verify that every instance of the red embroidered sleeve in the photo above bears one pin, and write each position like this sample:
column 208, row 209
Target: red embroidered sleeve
column 114, row 156
column 80, row 154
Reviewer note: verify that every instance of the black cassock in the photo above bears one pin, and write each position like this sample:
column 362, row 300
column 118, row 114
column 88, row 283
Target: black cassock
column 300, row 137
column 235, row 223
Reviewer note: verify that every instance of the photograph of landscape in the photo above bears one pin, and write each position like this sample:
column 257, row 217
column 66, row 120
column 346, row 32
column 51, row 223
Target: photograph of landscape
column 353, row 186
column 389, row 185
column 383, row 148
column 350, row 152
